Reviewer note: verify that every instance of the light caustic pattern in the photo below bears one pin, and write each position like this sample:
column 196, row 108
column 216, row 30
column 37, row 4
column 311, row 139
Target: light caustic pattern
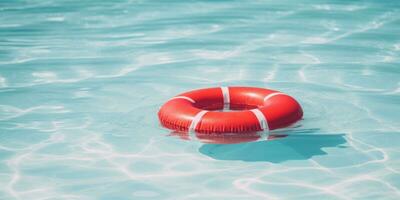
column 81, row 83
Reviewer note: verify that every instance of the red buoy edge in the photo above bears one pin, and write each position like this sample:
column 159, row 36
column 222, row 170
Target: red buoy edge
column 198, row 112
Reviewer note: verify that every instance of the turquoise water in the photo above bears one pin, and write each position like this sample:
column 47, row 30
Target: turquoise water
column 81, row 83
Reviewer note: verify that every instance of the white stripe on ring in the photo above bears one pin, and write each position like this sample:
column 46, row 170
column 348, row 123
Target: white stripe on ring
column 195, row 121
column 225, row 95
column 262, row 120
column 273, row 94
column 183, row 97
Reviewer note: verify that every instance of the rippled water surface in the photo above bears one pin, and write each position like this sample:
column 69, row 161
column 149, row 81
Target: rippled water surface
column 81, row 83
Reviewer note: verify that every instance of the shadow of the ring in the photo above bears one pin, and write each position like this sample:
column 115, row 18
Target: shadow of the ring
column 292, row 147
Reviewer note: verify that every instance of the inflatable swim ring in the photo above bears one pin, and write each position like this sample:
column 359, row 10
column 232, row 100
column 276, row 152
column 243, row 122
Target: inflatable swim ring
column 203, row 111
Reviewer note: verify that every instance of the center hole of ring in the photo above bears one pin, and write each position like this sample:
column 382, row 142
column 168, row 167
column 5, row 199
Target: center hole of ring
column 222, row 108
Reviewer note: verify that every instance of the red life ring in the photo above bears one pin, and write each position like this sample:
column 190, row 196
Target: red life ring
column 255, row 109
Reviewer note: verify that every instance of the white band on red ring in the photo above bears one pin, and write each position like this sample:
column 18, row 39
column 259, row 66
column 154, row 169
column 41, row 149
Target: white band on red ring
column 273, row 94
column 195, row 121
column 225, row 95
column 262, row 120
column 183, row 97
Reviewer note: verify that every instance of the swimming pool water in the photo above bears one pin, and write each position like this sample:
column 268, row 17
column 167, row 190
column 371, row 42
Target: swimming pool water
column 81, row 83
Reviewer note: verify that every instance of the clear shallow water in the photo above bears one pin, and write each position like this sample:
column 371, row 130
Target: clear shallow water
column 81, row 83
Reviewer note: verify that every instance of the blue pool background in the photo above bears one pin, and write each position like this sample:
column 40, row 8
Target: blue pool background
column 81, row 83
